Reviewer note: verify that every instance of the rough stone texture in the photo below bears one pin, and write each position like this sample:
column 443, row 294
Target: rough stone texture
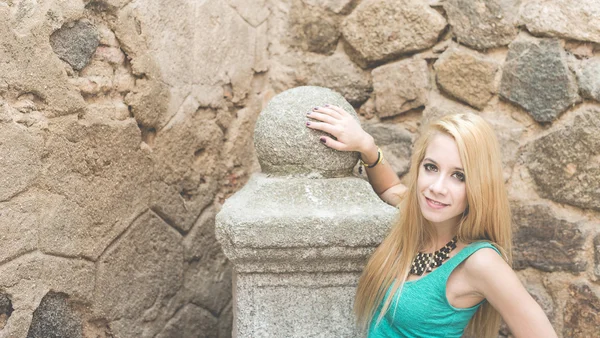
column 75, row 43
column 203, row 324
column 577, row 20
column 582, row 311
column 588, row 77
column 298, row 251
column 340, row 74
column 336, row 6
column 286, row 147
column 208, row 274
column 467, row 76
column 564, row 164
column 55, row 318
column 379, row 30
column 400, row 86
column 6, row 309
column 395, row 142
column 483, row 24
column 537, row 78
column 311, row 32
column 137, row 277
column 546, row 242
column 597, row 256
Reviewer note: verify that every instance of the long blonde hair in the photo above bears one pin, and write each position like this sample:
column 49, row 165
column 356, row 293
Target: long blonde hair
column 487, row 219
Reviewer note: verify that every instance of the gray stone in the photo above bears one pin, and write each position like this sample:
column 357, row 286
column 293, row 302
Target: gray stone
column 395, row 142
column 208, row 274
column 225, row 322
column 573, row 20
column 588, row 77
column 55, row 318
column 340, row 74
column 285, row 146
column 75, row 43
column 563, row 162
column 400, row 86
column 191, row 322
column 581, row 311
column 312, row 32
column 467, row 76
column 137, row 276
column 483, row 24
column 546, row 242
column 380, row 30
column 536, row 77
column 302, row 224
column 6, row 309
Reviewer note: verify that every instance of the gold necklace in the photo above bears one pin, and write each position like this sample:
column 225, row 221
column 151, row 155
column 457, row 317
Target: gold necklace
column 426, row 262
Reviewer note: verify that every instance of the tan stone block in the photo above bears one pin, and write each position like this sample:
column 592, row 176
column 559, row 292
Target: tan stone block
column 400, row 86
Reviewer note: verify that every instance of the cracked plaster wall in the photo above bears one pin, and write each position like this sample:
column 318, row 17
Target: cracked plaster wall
column 125, row 124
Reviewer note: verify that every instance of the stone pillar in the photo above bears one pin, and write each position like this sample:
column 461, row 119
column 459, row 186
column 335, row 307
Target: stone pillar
column 299, row 233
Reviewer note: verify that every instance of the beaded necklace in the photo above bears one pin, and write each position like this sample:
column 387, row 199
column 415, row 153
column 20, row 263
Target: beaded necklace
column 426, row 262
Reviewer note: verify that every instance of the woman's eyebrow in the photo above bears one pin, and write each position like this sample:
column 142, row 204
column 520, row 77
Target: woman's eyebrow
column 434, row 162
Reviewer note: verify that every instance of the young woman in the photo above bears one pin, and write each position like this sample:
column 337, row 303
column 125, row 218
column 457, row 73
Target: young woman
column 444, row 268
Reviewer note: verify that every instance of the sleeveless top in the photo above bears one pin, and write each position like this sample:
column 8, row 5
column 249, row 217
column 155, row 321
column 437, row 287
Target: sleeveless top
column 422, row 309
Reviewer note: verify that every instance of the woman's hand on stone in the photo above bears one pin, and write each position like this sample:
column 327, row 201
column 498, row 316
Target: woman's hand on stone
column 335, row 121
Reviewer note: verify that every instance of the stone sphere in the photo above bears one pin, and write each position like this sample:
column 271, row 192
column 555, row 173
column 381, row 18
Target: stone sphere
column 286, row 147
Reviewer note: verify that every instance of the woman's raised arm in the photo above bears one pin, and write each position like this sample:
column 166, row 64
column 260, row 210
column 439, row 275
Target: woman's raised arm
column 351, row 137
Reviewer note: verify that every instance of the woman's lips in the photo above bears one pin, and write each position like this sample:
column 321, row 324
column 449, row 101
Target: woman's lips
column 435, row 204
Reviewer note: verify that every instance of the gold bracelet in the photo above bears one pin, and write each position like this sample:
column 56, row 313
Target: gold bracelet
column 379, row 159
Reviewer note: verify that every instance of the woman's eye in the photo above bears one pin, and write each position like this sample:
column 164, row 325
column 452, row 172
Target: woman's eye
column 459, row 176
column 430, row 167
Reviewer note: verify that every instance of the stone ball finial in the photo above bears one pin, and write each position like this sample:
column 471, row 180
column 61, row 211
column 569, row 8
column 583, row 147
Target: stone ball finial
column 286, row 147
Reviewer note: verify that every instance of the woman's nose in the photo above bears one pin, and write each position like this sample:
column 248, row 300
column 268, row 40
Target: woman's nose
column 438, row 186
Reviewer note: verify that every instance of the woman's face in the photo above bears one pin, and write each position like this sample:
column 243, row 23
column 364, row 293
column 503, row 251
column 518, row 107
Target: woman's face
column 441, row 183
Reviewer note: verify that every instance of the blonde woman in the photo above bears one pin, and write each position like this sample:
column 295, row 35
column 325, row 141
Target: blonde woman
column 444, row 268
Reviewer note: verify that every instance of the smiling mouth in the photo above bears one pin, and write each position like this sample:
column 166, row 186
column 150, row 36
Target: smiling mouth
column 436, row 203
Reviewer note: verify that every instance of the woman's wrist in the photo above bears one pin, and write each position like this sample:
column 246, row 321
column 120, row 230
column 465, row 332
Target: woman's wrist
column 369, row 150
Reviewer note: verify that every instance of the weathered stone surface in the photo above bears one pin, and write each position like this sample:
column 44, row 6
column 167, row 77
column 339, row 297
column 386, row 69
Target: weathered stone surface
column 138, row 275
column 191, row 322
column 33, row 68
column 21, row 161
column 545, row 241
column 379, row 30
column 336, row 6
column 597, row 256
column 582, row 311
column 55, row 318
column 468, row 76
column 395, row 142
column 400, row 86
column 483, row 24
column 75, row 43
column 208, row 274
column 226, row 321
column 536, row 77
column 285, row 146
column 254, row 12
column 340, row 74
column 564, row 163
column 588, row 77
column 312, row 32
column 577, row 20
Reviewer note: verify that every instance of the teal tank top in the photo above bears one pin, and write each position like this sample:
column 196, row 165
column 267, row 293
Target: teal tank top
column 422, row 309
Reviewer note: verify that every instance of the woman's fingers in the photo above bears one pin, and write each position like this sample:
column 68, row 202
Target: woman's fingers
column 331, row 143
column 322, row 117
column 326, row 127
column 329, row 111
column 338, row 110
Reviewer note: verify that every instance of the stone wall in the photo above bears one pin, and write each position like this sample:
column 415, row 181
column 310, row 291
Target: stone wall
column 124, row 124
